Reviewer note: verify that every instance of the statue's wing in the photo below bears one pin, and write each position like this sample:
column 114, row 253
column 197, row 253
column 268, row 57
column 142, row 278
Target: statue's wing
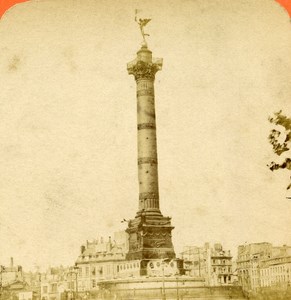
column 144, row 22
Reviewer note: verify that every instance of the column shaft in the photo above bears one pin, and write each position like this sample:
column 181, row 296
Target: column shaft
column 147, row 146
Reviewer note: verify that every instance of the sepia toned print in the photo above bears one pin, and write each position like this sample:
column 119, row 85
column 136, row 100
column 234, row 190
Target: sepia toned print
column 126, row 176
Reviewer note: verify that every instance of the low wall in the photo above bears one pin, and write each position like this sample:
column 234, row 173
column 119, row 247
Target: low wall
column 165, row 288
column 270, row 293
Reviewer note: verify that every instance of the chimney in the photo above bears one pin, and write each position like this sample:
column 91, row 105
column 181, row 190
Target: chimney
column 11, row 262
column 83, row 249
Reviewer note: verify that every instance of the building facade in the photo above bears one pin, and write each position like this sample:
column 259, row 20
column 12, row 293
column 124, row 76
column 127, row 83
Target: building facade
column 248, row 260
column 103, row 260
column 58, row 284
column 276, row 270
column 214, row 264
column 265, row 269
column 10, row 274
column 28, row 295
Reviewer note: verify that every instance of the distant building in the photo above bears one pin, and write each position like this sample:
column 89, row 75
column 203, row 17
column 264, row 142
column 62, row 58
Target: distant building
column 33, row 280
column 248, row 260
column 276, row 270
column 214, row 264
column 11, row 281
column 101, row 259
column 11, row 273
column 57, row 284
column 27, row 295
column 265, row 269
column 11, row 291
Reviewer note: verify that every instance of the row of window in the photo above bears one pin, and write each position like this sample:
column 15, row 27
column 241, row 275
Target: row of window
column 53, row 288
column 101, row 256
column 85, row 271
column 255, row 282
column 218, row 261
column 243, row 265
column 276, row 270
column 222, row 270
column 275, row 279
column 127, row 266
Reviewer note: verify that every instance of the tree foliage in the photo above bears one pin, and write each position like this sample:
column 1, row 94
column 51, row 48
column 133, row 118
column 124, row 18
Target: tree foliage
column 281, row 141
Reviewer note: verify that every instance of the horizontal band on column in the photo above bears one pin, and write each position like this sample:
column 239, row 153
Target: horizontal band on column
column 144, row 196
column 146, row 126
column 147, row 160
column 145, row 92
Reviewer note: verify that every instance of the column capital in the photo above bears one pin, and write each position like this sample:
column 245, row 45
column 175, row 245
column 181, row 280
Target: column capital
column 144, row 70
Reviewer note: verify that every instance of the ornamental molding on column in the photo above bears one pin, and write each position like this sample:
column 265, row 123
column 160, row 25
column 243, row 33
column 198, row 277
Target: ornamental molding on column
column 144, row 70
column 147, row 160
column 146, row 126
column 146, row 196
column 145, row 92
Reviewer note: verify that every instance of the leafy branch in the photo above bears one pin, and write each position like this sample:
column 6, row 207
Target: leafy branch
column 280, row 141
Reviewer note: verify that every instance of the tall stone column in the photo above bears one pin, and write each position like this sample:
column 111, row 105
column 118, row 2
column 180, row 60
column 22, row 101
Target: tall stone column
column 149, row 232
column 144, row 68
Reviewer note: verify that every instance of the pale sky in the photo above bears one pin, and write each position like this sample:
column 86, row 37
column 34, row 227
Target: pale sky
column 68, row 166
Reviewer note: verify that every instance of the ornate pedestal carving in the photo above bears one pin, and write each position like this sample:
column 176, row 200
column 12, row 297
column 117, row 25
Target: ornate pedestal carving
column 150, row 237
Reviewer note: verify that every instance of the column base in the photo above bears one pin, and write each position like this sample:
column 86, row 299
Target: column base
column 150, row 236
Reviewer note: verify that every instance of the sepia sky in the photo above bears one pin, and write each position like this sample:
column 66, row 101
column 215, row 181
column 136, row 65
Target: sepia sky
column 68, row 157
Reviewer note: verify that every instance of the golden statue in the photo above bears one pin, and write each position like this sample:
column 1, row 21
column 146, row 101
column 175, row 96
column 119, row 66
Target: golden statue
column 142, row 23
